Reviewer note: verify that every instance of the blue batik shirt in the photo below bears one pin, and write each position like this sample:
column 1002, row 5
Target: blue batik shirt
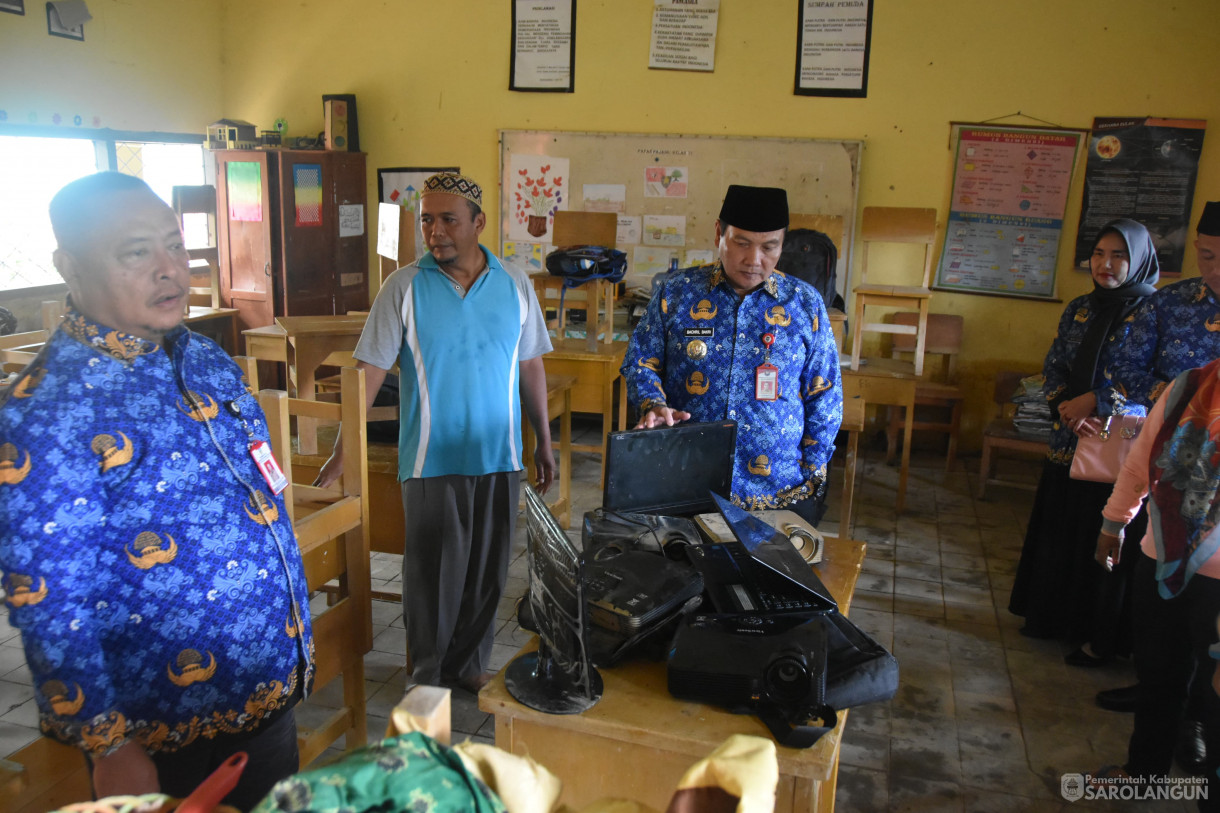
column 697, row 348
column 152, row 573
column 1057, row 368
column 1176, row 329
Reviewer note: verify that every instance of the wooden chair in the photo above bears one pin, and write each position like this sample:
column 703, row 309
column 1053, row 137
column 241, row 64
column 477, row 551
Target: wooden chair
column 332, row 530
column 891, row 391
column 205, row 261
column 595, row 298
column 944, row 340
column 52, row 314
column 883, row 224
column 20, row 348
column 1002, row 435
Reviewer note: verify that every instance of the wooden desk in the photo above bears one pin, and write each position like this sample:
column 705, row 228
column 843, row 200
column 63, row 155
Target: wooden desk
column 595, row 297
column 558, row 405
column 880, row 382
column 219, row 324
column 638, row 740
column 853, row 425
column 305, row 343
column 595, row 372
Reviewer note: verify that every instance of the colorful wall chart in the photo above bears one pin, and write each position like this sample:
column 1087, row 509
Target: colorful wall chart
column 245, row 187
column 1010, row 189
column 307, row 192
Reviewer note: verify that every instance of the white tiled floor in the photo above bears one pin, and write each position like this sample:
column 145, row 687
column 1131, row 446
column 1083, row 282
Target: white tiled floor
column 984, row 720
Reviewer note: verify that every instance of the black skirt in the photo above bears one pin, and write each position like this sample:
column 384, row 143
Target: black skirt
column 1058, row 582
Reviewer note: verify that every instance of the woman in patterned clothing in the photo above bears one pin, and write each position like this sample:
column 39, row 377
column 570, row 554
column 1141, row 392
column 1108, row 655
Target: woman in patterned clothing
column 1056, row 586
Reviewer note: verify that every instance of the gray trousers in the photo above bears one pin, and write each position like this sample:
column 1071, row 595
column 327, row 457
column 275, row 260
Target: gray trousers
column 459, row 532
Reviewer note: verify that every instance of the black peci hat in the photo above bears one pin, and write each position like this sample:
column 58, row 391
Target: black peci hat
column 1209, row 222
column 755, row 208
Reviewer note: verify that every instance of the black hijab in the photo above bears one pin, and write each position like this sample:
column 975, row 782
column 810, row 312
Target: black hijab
column 1112, row 305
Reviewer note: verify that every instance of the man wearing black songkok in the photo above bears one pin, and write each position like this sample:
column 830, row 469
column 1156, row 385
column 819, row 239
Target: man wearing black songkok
column 733, row 340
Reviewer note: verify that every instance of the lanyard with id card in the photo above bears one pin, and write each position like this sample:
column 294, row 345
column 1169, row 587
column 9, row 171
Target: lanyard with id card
column 268, row 467
column 766, row 375
column 261, row 454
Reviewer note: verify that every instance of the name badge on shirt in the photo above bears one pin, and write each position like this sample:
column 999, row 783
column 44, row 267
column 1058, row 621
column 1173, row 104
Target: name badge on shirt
column 698, row 332
column 271, row 471
column 766, row 382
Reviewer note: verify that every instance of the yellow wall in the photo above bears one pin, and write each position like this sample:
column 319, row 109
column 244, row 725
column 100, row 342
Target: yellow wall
column 431, row 82
column 145, row 65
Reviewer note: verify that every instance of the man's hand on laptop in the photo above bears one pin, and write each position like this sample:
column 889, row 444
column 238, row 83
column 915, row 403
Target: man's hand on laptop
column 662, row 416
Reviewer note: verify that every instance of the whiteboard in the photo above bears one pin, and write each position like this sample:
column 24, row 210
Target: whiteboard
column 672, row 180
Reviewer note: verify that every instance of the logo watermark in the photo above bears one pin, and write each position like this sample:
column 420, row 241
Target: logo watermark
column 1076, row 786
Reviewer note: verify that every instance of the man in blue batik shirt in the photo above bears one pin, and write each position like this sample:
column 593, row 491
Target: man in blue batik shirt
column 1178, row 328
column 151, row 568
column 737, row 340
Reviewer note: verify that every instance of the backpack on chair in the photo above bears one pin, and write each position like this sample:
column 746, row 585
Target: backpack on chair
column 811, row 256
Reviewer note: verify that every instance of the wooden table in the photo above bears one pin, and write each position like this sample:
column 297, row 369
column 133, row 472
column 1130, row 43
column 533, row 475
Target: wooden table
column 853, row 425
column 216, row 323
column 638, row 740
column 558, row 405
column 886, row 381
column 595, row 372
column 595, row 297
column 305, row 343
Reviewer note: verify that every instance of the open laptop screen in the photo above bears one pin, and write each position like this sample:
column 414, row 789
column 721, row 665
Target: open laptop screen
column 669, row 470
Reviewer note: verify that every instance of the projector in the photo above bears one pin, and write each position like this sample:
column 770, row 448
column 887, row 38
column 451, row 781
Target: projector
column 748, row 663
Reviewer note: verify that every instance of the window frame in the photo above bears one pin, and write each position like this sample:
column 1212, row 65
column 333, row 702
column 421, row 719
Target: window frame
column 105, row 144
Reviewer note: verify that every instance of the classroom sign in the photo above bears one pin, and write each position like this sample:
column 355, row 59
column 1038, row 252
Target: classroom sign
column 1010, row 190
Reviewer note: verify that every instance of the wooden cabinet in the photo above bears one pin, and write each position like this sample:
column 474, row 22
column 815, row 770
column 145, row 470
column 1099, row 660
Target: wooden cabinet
column 292, row 227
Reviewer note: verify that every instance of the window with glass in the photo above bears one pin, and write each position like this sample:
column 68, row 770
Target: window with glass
column 35, row 167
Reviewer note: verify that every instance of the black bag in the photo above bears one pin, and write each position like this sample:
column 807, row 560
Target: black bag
column 811, row 256
column 579, row 264
column 858, row 669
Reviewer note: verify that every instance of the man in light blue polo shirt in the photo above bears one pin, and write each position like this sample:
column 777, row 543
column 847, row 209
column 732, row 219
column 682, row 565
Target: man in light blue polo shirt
column 468, row 336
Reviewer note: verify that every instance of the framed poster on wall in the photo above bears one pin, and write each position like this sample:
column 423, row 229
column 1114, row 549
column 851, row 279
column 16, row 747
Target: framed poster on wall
column 832, row 47
column 1143, row 169
column 543, row 46
column 1010, row 191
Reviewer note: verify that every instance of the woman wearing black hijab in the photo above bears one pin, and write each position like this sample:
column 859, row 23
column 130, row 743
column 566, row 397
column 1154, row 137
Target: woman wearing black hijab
column 1057, row 581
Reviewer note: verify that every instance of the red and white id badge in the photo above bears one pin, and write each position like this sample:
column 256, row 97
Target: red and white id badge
column 766, row 382
column 272, row 473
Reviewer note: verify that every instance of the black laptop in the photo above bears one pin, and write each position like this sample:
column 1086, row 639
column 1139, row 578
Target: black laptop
column 671, row 470
column 760, row 573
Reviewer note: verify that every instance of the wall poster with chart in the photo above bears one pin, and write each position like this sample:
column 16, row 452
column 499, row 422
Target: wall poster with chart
column 1010, row 191
column 666, row 189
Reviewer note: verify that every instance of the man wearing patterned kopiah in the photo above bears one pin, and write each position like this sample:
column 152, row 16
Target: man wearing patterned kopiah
column 148, row 563
column 736, row 340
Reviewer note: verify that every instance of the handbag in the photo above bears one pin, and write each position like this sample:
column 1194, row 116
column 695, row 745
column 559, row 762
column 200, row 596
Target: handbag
column 1100, row 458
